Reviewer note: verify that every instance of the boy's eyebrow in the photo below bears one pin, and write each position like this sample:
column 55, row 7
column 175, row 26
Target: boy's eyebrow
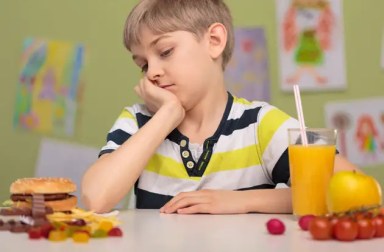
column 153, row 43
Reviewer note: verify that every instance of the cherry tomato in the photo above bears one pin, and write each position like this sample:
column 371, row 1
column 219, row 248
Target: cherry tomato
column 345, row 230
column 378, row 223
column 304, row 221
column 366, row 230
column 320, row 228
column 333, row 220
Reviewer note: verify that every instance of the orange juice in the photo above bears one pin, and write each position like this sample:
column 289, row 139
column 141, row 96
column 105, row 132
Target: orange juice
column 311, row 168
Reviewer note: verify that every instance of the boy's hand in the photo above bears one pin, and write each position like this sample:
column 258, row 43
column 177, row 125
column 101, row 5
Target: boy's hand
column 155, row 97
column 207, row 201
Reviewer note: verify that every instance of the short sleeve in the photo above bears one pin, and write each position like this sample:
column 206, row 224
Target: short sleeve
column 124, row 127
column 272, row 133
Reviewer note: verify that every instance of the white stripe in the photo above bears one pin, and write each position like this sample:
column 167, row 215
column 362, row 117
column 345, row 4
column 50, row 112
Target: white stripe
column 227, row 180
column 238, row 109
column 169, row 149
column 237, row 140
column 110, row 146
column 127, row 125
column 278, row 144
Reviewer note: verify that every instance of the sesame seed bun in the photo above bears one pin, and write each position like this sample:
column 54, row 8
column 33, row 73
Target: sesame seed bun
column 42, row 185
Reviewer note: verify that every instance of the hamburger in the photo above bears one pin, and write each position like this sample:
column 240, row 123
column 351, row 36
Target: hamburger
column 56, row 192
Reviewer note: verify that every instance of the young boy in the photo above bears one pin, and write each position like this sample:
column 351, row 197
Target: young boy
column 192, row 147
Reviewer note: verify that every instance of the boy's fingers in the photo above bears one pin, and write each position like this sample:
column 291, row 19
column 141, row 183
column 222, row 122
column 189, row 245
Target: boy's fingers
column 185, row 202
column 200, row 208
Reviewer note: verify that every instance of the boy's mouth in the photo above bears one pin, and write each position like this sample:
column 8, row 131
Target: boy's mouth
column 166, row 86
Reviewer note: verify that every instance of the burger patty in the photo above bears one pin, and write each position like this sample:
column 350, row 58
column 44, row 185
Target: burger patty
column 47, row 197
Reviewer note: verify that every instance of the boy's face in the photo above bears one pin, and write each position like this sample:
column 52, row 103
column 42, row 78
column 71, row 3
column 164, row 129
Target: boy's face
column 176, row 61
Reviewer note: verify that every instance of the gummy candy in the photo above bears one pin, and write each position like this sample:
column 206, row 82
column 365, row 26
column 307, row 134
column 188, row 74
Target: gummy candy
column 80, row 236
column 106, row 226
column 116, row 232
column 45, row 229
column 57, row 235
column 34, row 233
column 99, row 233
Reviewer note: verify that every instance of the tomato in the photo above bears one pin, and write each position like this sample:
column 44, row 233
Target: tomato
column 378, row 223
column 320, row 228
column 346, row 230
column 366, row 230
column 304, row 221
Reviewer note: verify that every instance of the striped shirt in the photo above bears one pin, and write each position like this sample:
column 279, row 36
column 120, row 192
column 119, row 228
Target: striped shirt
column 247, row 151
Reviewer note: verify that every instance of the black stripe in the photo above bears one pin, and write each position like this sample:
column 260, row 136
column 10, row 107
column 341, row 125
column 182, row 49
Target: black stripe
column 149, row 200
column 142, row 119
column 263, row 186
column 248, row 117
column 280, row 173
column 105, row 152
column 118, row 136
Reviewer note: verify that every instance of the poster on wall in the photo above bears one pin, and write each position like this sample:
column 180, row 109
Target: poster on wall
column 247, row 73
column 49, row 86
column 311, row 44
column 360, row 126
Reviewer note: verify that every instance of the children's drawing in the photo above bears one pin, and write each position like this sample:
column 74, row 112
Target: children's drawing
column 48, row 90
column 311, row 44
column 247, row 73
column 360, row 126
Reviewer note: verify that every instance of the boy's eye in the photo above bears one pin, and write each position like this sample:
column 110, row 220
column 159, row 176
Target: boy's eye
column 166, row 52
column 144, row 68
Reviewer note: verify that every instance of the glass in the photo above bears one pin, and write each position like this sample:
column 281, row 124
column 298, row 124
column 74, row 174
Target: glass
column 311, row 168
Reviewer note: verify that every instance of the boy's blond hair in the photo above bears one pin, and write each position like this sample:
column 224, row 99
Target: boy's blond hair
column 194, row 16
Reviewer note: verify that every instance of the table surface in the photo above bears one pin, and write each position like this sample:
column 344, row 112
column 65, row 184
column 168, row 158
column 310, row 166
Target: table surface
column 148, row 230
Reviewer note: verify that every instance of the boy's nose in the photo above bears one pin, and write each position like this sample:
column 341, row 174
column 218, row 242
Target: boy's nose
column 154, row 72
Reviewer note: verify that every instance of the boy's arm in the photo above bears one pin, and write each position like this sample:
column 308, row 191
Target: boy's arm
column 111, row 177
column 231, row 202
column 342, row 164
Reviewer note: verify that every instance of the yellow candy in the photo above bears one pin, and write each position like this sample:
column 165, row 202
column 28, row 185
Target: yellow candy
column 80, row 237
column 57, row 235
column 106, row 226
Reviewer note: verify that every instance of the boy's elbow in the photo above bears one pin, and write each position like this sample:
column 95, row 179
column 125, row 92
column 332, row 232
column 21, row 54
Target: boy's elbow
column 95, row 203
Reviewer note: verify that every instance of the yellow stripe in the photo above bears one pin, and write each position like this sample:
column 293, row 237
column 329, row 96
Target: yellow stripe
column 241, row 101
column 126, row 114
column 168, row 167
column 234, row 160
column 268, row 126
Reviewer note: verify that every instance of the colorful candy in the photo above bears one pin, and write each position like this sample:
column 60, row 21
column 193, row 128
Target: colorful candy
column 57, row 235
column 80, row 236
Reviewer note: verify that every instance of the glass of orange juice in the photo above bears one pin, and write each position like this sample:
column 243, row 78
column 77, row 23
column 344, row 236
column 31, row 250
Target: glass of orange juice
column 311, row 162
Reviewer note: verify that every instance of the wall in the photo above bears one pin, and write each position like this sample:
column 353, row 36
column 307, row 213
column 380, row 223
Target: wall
column 111, row 75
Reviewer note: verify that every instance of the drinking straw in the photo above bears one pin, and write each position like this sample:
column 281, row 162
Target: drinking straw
column 300, row 114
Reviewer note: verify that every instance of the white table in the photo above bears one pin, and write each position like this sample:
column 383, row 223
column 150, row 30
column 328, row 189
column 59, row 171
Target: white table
column 148, row 230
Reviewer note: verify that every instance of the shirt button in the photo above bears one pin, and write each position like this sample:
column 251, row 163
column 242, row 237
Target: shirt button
column 183, row 143
column 185, row 154
column 190, row 164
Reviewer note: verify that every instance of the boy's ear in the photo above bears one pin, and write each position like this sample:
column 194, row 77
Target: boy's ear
column 217, row 35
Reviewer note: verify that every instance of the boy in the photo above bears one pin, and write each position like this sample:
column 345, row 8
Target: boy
column 193, row 147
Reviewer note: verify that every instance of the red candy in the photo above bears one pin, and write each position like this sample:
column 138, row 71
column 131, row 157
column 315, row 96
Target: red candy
column 116, row 232
column 275, row 227
column 35, row 233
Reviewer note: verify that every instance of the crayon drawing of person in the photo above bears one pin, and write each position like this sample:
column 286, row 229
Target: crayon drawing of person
column 367, row 137
column 307, row 29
